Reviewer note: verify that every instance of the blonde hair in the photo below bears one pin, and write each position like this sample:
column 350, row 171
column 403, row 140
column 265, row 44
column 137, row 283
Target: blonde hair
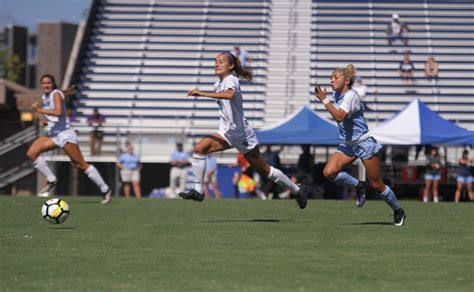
column 349, row 73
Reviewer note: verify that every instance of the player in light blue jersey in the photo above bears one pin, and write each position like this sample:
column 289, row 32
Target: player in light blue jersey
column 356, row 141
column 59, row 134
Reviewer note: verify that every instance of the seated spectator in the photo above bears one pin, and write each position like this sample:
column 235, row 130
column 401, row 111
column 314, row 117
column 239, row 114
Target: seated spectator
column 397, row 30
column 362, row 90
column 432, row 70
column 244, row 57
column 406, row 69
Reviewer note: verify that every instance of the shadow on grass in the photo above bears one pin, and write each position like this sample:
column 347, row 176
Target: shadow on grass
column 371, row 223
column 248, row 220
column 62, row 228
column 96, row 201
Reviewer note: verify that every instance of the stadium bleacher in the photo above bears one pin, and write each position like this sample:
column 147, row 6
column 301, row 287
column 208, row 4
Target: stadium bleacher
column 146, row 55
column 142, row 57
column 355, row 32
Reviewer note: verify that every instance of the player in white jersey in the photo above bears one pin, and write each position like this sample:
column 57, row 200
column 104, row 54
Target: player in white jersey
column 234, row 132
column 59, row 134
column 356, row 141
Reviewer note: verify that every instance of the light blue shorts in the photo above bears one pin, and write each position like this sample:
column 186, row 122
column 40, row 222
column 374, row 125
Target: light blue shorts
column 433, row 177
column 363, row 150
column 465, row 179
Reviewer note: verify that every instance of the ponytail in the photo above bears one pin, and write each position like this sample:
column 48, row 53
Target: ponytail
column 349, row 73
column 238, row 70
column 72, row 90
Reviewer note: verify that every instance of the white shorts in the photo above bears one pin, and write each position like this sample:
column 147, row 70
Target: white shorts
column 64, row 137
column 129, row 175
column 242, row 142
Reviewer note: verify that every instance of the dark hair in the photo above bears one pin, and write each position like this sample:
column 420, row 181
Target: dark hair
column 238, row 69
column 55, row 86
column 67, row 92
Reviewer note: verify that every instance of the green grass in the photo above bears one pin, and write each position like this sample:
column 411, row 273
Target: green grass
column 235, row 245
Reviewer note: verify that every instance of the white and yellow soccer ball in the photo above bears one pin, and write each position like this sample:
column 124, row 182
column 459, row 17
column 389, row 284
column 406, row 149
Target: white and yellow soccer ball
column 55, row 211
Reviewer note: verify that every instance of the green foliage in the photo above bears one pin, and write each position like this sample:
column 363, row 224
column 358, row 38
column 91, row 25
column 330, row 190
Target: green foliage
column 10, row 66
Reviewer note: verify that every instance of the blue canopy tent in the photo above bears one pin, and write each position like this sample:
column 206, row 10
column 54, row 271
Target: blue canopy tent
column 418, row 124
column 302, row 127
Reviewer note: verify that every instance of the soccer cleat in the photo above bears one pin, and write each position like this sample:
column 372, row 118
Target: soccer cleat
column 302, row 197
column 48, row 189
column 360, row 192
column 107, row 197
column 192, row 195
column 399, row 217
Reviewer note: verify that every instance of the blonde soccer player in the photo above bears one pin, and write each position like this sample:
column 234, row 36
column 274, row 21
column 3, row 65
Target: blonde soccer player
column 356, row 141
column 234, row 132
column 59, row 133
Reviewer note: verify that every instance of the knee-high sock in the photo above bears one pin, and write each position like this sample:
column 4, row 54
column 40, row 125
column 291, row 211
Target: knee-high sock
column 199, row 168
column 389, row 197
column 345, row 179
column 95, row 176
column 41, row 165
column 282, row 180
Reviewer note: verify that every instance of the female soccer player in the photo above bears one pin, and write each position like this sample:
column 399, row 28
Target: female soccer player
column 356, row 142
column 60, row 134
column 234, row 131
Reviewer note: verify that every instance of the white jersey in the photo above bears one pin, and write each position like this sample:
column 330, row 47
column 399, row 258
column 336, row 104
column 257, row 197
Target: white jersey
column 55, row 124
column 231, row 111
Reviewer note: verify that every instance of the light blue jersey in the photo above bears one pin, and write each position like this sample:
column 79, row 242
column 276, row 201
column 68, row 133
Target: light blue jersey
column 353, row 130
column 353, row 127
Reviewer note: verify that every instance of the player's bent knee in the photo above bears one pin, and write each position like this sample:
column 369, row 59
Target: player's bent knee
column 329, row 174
column 199, row 150
column 32, row 155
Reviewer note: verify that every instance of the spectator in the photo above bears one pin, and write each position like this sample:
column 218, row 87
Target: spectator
column 362, row 91
column 211, row 177
column 305, row 164
column 130, row 167
column 406, row 69
column 432, row 175
column 268, row 187
column 432, row 70
column 464, row 177
column 96, row 120
column 179, row 161
column 397, row 30
column 243, row 55
column 244, row 170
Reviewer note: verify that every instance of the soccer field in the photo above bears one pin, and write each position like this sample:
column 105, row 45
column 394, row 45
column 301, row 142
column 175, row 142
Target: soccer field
column 235, row 245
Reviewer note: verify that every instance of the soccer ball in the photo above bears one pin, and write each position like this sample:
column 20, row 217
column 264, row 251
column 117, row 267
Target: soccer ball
column 55, row 211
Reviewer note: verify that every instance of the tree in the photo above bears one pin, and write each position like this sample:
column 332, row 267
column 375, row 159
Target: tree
column 10, row 66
